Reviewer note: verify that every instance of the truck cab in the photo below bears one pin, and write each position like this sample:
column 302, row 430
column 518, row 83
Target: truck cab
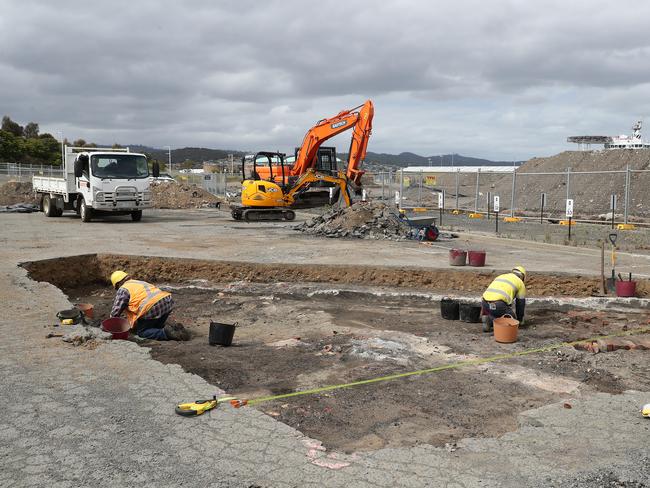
column 97, row 181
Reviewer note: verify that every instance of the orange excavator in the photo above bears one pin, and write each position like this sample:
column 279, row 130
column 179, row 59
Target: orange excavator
column 269, row 190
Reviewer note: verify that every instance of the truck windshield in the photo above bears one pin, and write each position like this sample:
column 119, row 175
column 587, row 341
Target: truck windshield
column 119, row 166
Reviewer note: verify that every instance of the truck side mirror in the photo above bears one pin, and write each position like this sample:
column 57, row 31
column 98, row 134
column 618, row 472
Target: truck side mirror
column 155, row 169
column 78, row 167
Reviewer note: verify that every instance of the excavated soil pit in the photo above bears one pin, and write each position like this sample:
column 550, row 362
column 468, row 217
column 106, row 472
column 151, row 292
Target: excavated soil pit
column 299, row 335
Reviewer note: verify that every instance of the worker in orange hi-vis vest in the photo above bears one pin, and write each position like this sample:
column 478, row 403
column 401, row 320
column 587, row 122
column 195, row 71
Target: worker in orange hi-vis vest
column 147, row 308
column 504, row 291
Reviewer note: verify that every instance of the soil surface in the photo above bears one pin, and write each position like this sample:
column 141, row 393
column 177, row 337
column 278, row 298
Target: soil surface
column 63, row 272
column 176, row 195
column 294, row 337
column 15, row 192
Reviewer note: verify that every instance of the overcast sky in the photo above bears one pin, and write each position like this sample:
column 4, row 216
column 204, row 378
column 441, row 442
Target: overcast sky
column 499, row 79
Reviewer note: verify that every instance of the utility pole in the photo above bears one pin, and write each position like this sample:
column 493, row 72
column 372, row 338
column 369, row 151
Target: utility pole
column 169, row 159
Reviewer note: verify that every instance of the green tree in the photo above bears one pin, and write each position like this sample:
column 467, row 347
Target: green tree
column 79, row 143
column 187, row 164
column 31, row 130
column 9, row 125
column 10, row 146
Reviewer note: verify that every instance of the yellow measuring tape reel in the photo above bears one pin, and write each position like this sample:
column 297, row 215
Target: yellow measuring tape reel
column 199, row 407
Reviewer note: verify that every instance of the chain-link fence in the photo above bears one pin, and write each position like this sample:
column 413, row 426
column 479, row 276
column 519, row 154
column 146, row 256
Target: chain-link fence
column 24, row 172
column 215, row 183
column 596, row 195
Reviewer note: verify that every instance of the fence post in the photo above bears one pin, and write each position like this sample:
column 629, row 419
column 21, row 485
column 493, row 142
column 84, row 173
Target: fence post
column 627, row 192
column 401, row 188
column 420, row 191
column 478, row 175
column 514, row 189
column 568, row 183
column 457, row 178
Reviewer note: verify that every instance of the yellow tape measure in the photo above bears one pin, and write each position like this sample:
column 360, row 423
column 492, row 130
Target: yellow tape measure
column 199, row 407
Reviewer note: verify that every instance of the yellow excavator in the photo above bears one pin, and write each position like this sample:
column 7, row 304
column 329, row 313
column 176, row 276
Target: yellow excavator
column 270, row 187
column 268, row 200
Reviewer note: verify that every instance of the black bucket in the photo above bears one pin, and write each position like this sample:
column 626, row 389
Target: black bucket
column 221, row 334
column 73, row 314
column 449, row 309
column 470, row 313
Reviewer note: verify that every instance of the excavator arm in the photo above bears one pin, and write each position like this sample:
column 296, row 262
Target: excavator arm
column 312, row 176
column 359, row 119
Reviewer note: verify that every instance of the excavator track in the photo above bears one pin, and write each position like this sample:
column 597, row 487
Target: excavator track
column 263, row 214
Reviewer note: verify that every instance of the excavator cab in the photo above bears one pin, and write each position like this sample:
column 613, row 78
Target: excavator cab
column 267, row 166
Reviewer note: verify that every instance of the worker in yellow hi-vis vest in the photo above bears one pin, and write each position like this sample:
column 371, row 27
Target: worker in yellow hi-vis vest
column 504, row 291
column 147, row 308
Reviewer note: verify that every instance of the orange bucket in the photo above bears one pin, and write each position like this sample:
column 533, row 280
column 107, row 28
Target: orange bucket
column 86, row 308
column 506, row 329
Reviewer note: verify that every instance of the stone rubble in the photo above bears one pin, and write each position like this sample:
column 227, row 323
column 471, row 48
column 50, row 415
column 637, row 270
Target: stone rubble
column 363, row 220
column 79, row 333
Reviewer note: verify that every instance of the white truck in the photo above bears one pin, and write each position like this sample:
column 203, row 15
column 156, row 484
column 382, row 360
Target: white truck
column 96, row 181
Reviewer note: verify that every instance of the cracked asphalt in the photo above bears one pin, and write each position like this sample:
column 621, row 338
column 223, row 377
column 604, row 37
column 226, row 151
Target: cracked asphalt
column 105, row 417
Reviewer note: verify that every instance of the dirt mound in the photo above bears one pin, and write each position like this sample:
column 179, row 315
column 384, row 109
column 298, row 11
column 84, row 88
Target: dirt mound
column 590, row 192
column 363, row 220
column 174, row 195
column 15, row 192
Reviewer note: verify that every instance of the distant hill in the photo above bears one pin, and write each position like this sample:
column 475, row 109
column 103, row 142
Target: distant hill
column 410, row 159
column 199, row 154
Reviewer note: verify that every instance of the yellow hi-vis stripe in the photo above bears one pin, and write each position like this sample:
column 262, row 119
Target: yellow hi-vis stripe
column 457, row 365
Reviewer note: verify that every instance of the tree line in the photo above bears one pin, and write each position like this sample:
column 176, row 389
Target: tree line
column 25, row 145
column 20, row 144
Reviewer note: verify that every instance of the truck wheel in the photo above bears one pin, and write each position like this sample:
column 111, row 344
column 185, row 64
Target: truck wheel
column 49, row 209
column 136, row 215
column 85, row 212
column 40, row 203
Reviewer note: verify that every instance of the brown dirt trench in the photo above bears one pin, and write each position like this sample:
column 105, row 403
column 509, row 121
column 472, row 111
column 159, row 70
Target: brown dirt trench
column 302, row 327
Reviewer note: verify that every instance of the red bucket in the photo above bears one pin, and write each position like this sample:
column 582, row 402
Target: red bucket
column 457, row 257
column 117, row 326
column 476, row 258
column 625, row 288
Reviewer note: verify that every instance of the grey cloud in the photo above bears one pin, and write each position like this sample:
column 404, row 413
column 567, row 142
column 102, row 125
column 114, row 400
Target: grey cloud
column 215, row 73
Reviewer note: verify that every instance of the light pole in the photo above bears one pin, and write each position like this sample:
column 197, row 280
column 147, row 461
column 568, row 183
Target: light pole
column 169, row 159
column 62, row 149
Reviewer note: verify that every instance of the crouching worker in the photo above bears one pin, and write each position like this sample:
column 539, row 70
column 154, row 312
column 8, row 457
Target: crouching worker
column 499, row 297
column 147, row 308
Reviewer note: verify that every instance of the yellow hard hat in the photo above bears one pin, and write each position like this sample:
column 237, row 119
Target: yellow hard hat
column 117, row 276
column 520, row 269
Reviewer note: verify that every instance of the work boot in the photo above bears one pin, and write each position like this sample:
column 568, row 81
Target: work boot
column 176, row 332
column 487, row 323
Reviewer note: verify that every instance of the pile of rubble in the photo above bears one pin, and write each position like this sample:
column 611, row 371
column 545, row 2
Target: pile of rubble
column 169, row 194
column 15, row 192
column 363, row 220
